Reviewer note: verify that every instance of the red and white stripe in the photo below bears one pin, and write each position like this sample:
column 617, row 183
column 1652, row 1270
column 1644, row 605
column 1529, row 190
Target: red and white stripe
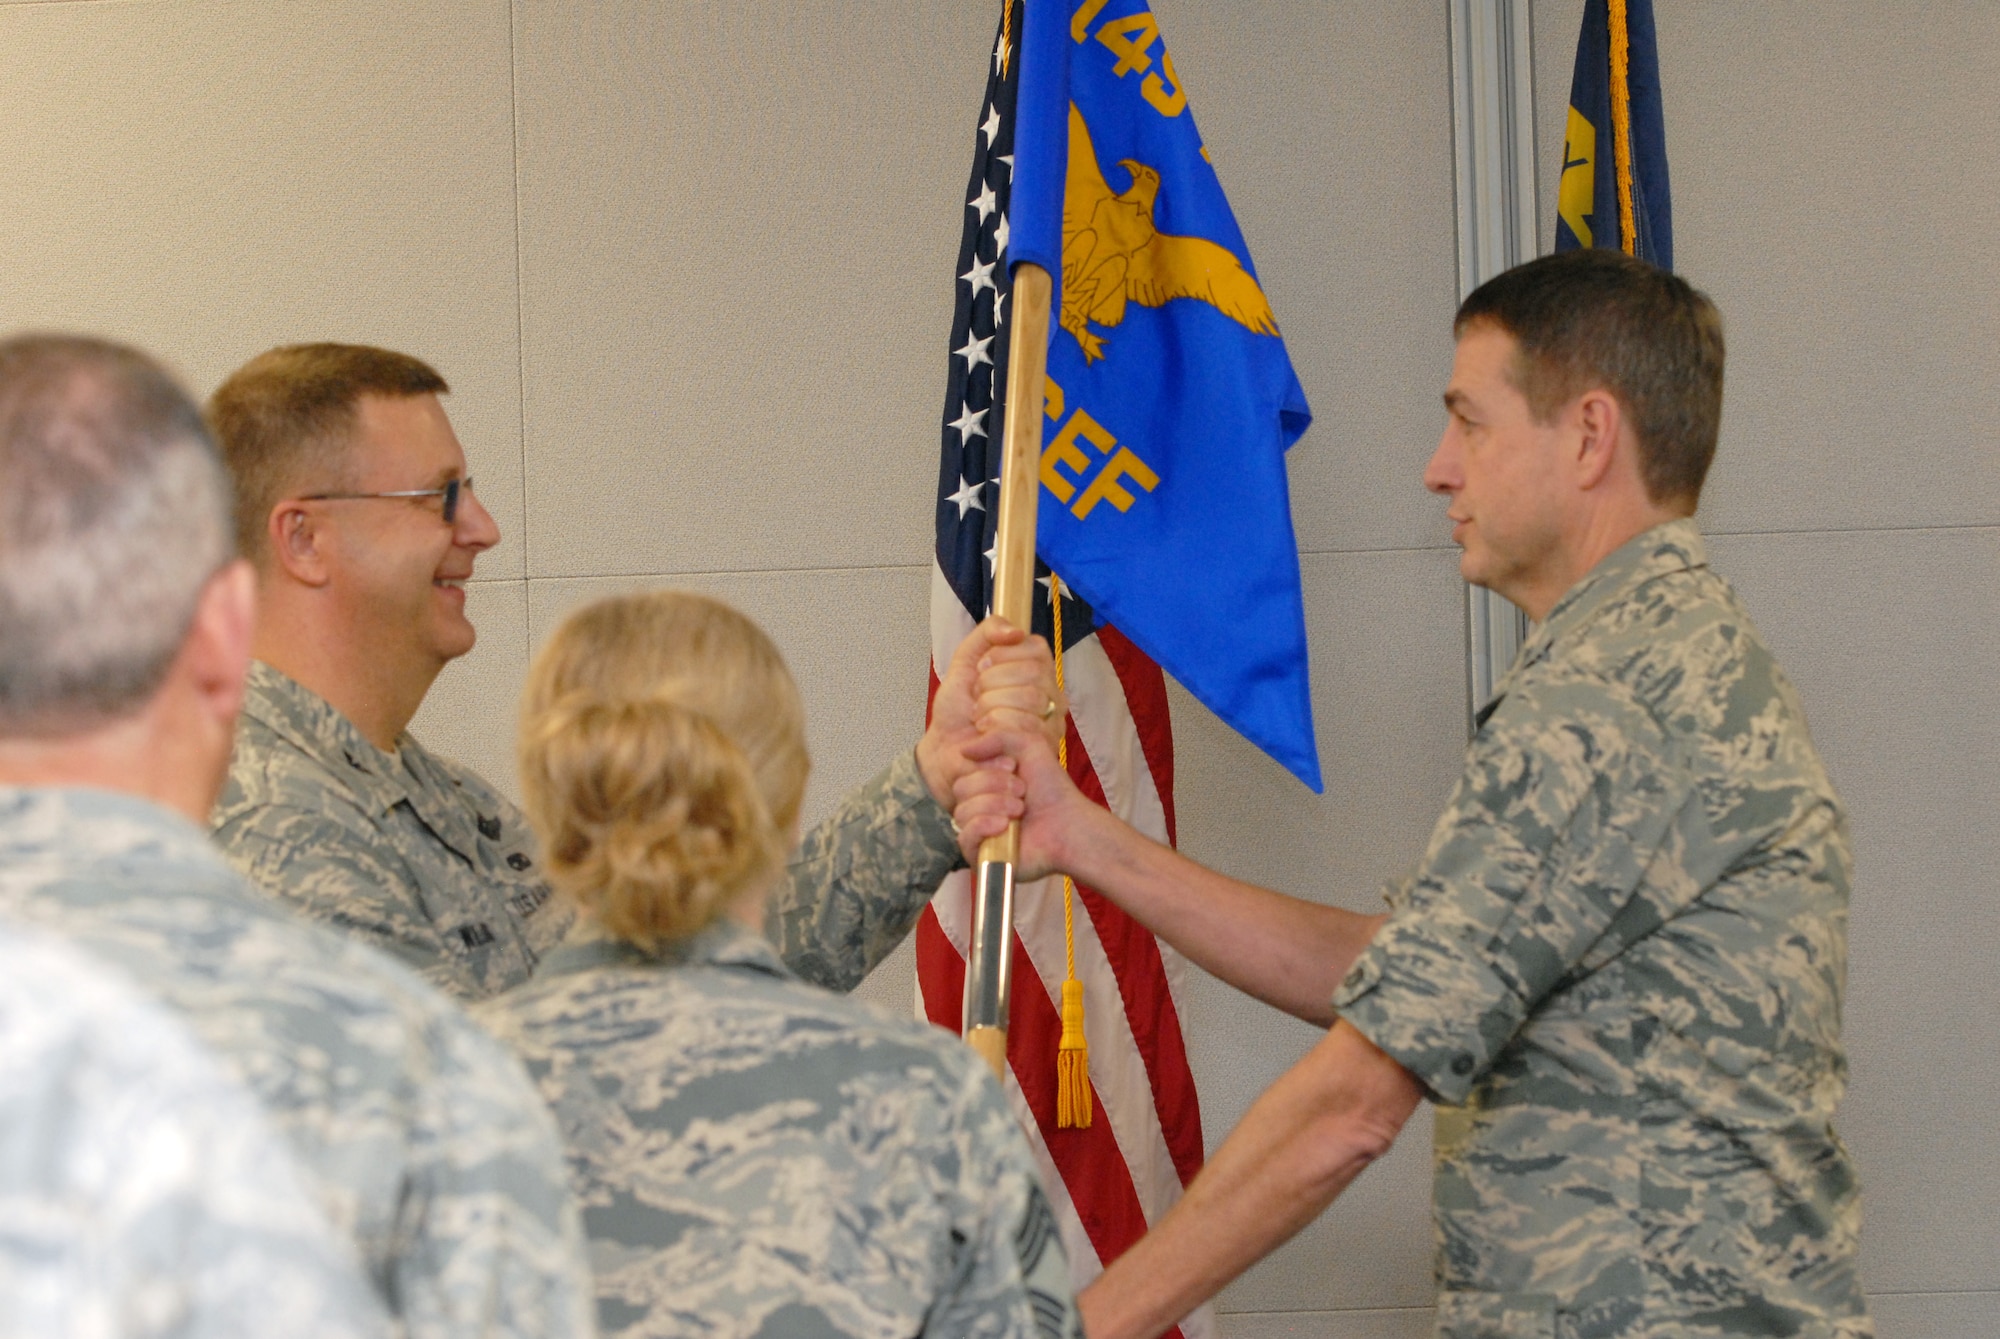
column 1109, row 1182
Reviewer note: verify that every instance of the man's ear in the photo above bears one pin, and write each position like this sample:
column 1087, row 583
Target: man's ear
column 1601, row 421
column 217, row 651
column 297, row 543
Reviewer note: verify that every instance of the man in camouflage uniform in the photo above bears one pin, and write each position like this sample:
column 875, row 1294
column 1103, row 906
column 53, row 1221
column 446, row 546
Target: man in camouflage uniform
column 1618, row 967
column 144, row 1194
column 354, row 503
column 124, row 642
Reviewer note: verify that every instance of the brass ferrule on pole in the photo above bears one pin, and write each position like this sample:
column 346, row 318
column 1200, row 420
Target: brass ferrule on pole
column 988, row 967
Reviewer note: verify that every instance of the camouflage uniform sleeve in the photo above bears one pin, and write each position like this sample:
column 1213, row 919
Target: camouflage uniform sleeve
column 861, row 878
column 1010, row 1275
column 493, row 1244
column 335, row 875
column 1568, row 794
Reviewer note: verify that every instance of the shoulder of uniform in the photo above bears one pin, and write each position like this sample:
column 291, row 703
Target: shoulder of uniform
column 1683, row 637
column 267, row 768
column 957, row 1066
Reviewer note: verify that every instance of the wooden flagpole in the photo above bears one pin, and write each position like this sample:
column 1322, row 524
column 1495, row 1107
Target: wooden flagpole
column 989, row 965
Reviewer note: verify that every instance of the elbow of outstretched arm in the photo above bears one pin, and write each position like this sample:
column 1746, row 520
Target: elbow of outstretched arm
column 1347, row 1143
column 1367, row 1100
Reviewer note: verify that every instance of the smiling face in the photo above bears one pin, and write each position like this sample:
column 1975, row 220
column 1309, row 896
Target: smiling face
column 1501, row 470
column 400, row 570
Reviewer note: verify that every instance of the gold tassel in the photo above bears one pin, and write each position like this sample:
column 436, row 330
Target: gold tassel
column 1073, row 1100
column 1073, row 1097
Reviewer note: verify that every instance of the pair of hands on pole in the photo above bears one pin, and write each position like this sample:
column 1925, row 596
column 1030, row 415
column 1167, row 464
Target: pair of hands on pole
column 1013, row 773
column 999, row 679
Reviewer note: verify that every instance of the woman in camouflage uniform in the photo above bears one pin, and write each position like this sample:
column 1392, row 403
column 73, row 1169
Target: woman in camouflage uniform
column 754, row 1155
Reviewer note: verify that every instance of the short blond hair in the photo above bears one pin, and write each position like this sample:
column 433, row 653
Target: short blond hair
column 285, row 419
column 663, row 761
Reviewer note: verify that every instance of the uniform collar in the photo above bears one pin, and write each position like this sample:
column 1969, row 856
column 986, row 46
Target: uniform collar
column 311, row 724
column 727, row 943
column 48, row 817
column 1675, row 546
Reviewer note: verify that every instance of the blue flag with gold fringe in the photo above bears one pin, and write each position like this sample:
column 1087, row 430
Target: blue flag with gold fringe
column 1171, row 399
column 1614, row 190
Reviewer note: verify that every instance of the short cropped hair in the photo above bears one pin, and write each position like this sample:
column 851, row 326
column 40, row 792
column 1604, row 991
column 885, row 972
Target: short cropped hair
column 284, row 420
column 663, row 761
column 1597, row 318
column 114, row 514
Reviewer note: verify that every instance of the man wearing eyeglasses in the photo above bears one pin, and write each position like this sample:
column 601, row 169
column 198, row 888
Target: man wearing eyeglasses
column 354, row 504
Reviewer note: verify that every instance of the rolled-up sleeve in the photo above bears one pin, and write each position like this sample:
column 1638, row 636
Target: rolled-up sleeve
column 1569, row 792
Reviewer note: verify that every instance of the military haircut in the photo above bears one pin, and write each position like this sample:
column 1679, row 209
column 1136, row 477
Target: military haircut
column 114, row 514
column 285, row 417
column 1597, row 318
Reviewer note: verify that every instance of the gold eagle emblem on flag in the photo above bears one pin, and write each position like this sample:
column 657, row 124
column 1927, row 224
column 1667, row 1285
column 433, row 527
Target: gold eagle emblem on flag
column 1112, row 254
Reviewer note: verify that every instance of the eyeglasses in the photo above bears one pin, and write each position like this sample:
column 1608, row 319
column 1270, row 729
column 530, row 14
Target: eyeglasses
column 449, row 492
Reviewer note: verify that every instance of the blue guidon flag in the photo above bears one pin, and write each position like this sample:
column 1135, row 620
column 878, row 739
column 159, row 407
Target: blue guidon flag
column 1164, row 509
column 1171, row 399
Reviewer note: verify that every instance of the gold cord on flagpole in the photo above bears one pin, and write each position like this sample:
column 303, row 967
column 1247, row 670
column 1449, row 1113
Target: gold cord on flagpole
column 1073, row 1101
column 1006, row 34
column 1621, row 125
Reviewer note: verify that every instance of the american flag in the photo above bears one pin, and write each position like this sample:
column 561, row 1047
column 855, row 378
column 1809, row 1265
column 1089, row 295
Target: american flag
column 1110, row 1180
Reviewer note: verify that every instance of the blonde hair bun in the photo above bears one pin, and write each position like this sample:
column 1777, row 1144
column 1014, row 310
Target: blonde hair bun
column 663, row 761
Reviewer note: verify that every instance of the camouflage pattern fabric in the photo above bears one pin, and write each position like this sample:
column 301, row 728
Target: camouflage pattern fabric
column 419, row 857
column 1622, row 958
column 421, row 1138
column 408, row 853
column 143, row 1195
column 858, row 882
column 756, row 1156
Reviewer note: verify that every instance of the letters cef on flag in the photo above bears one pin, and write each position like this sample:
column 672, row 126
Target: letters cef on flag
column 1614, row 190
column 1171, row 399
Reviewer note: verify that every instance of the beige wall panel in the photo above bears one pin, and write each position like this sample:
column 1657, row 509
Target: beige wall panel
column 1935, row 1316
column 739, row 230
column 209, row 179
column 1330, row 125
column 470, row 712
column 857, row 642
column 1825, row 160
column 1411, row 1323
column 1892, row 639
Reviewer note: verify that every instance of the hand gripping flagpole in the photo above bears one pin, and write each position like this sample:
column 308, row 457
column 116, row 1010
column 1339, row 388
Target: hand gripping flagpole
column 989, row 966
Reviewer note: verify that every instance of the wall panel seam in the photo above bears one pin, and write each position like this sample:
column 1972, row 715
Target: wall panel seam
column 1948, row 527
column 1334, row 1311
column 520, row 281
column 1304, row 552
column 1932, row 1292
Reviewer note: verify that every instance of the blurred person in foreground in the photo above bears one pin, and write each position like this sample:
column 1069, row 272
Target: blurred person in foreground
column 755, row 1155
column 144, row 1194
column 1618, row 966
column 125, row 629
column 355, row 506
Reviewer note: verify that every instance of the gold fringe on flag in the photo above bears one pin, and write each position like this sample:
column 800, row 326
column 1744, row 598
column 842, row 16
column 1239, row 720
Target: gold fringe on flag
column 1621, row 125
column 1074, row 1102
